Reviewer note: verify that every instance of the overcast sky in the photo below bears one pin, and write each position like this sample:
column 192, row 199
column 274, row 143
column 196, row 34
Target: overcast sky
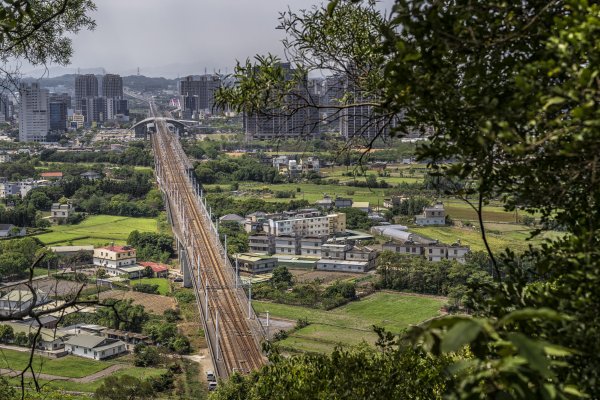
column 179, row 37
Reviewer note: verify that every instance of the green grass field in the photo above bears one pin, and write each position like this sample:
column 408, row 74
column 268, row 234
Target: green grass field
column 163, row 284
column 499, row 236
column 68, row 366
column 98, row 230
column 352, row 323
column 313, row 192
column 90, row 387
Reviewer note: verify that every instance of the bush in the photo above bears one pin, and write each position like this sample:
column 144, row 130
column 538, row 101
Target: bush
column 146, row 288
column 280, row 335
column 184, row 296
column 145, row 356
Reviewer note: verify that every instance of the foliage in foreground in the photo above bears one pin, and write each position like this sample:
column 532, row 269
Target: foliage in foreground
column 508, row 91
column 393, row 372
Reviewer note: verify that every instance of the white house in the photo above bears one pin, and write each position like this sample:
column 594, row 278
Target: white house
column 255, row 264
column 7, row 230
column 60, row 212
column 435, row 215
column 94, row 347
column 49, row 339
column 17, row 301
column 113, row 257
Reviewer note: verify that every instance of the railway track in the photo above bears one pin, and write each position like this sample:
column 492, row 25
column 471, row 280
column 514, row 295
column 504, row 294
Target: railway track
column 237, row 345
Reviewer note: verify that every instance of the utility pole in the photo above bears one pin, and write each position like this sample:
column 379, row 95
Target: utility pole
column 249, row 299
column 267, row 325
column 206, row 300
column 217, row 333
column 237, row 273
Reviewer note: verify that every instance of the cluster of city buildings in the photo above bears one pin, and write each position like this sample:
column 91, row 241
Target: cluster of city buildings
column 308, row 121
column 43, row 116
column 197, row 95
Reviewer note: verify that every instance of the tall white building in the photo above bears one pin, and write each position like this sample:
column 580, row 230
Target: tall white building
column 34, row 118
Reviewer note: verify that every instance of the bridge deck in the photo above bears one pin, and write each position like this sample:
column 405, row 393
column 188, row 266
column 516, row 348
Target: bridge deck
column 235, row 338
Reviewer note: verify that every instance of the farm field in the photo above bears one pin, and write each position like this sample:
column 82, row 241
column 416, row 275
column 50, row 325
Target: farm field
column 153, row 303
column 498, row 239
column 68, row 366
column 97, row 230
column 352, row 323
column 313, row 192
column 163, row 284
column 459, row 210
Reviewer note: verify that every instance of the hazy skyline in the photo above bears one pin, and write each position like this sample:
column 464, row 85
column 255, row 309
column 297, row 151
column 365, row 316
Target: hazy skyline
column 178, row 37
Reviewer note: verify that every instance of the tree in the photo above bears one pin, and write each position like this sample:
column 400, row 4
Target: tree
column 281, row 276
column 392, row 372
column 37, row 32
column 122, row 314
column 6, row 333
column 124, row 387
column 507, row 92
column 145, row 356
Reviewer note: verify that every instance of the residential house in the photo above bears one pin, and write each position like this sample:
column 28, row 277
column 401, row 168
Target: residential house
column 158, row 270
column 325, row 225
column 5, row 157
column 48, row 339
column 61, row 212
column 310, row 164
column 310, row 246
column 346, row 258
column 326, row 203
column 130, row 339
column 9, row 230
column 9, row 189
column 91, row 175
column 408, row 247
column 362, row 205
column 94, row 347
column 436, row 252
column 52, row 175
column 335, row 250
column 254, row 264
column 343, row 202
column 435, row 215
column 394, row 201
column 17, row 301
column 261, row 243
column 287, row 244
column 458, row 252
column 232, row 218
column 358, row 253
column 113, row 257
column 72, row 250
column 132, row 271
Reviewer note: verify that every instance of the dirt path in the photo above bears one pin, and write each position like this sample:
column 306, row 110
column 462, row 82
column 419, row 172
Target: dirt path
column 86, row 379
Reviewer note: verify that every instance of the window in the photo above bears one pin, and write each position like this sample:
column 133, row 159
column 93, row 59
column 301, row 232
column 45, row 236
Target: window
column 430, row 251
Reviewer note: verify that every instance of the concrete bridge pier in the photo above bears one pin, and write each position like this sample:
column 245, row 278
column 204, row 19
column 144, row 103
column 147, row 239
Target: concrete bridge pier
column 184, row 263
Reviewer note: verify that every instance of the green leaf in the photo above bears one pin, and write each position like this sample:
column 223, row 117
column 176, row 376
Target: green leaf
column 460, row 334
column 531, row 313
column 533, row 352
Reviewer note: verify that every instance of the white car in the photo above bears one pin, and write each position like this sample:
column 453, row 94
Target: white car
column 210, row 376
column 212, row 386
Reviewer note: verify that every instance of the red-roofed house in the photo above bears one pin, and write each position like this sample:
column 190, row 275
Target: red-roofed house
column 51, row 175
column 113, row 257
column 158, row 270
